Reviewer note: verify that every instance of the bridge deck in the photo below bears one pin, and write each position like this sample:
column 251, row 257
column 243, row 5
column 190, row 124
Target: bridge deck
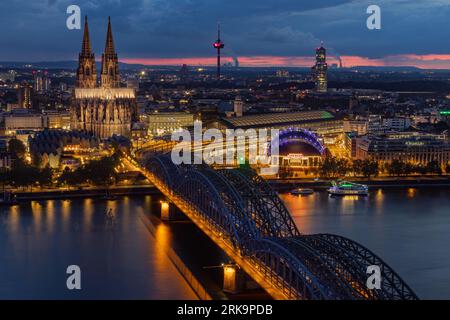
column 254, row 271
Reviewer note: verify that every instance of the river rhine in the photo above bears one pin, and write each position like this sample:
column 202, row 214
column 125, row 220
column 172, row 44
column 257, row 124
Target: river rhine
column 120, row 259
column 407, row 228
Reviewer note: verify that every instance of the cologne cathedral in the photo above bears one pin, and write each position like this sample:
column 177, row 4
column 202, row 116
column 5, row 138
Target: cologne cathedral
column 104, row 108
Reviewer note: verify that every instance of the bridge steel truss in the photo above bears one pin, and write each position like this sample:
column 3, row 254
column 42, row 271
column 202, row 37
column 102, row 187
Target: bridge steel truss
column 247, row 219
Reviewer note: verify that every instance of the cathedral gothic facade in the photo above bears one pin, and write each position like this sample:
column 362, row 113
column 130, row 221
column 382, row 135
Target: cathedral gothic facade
column 102, row 109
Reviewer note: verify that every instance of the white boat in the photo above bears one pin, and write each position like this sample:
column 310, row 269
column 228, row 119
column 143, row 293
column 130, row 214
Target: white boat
column 344, row 188
column 302, row 191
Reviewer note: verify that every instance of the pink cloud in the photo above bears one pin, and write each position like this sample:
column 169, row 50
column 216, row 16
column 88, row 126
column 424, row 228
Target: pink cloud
column 428, row 61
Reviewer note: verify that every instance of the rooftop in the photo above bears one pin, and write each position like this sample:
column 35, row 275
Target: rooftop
column 273, row 119
column 49, row 140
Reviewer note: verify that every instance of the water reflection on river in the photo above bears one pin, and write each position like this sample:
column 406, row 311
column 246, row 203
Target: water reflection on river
column 118, row 257
column 408, row 228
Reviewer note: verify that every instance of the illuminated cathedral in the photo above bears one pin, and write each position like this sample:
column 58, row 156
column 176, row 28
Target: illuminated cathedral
column 104, row 108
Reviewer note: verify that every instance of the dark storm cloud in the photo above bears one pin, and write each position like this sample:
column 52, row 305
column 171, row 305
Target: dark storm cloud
column 35, row 30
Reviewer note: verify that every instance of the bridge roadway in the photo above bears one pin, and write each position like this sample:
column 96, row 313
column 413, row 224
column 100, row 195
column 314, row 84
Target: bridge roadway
column 239, row 211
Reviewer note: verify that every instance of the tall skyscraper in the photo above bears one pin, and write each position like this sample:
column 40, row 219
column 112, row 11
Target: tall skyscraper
column 38, row 84
column 47, row 83
column 107, row 109
column 184, row 72
column 24, row 95
column 41, row 82
column 320, row 70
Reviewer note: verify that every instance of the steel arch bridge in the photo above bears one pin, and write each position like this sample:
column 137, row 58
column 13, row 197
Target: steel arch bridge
column 242, row 214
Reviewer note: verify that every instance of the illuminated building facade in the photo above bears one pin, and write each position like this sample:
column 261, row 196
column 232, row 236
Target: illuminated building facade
column 301, row 134
column 58, row 120
column 413, row 147
column 320, row 70
column 24, row 96
column 167, row 122
column 300, row 149
column 238, row 107
column 42, row 82
column 352, row 141
column 104, row 110
column 358, row 126
column 18, row 120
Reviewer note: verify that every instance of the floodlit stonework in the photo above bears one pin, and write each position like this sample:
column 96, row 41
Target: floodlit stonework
column 107, row 109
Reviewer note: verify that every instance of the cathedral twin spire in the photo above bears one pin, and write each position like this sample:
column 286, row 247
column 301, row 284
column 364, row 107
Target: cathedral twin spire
column 86, row 48
column 87, row 72
column 110, row 63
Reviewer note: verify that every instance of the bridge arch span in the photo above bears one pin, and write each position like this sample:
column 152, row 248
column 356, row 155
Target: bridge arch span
column 164, row 169
column 271, row 216
column 281, row 266
column 257, row 231
column 205, row 197
column 393, row 286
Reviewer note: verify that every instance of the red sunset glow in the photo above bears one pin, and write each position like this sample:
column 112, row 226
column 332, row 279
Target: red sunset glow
column 428, row 61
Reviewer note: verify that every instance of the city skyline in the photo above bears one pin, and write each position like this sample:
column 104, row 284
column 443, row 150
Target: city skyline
column 132, row 167
column 270, row 35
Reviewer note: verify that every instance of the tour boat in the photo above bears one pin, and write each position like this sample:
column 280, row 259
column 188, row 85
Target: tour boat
column 302, row 191
column 344, row 188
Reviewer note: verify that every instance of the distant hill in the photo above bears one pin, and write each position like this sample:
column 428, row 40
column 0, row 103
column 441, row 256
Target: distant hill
column 125, row 66
column 385, row 69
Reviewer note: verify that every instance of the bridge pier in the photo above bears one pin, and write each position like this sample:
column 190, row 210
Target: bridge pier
column 233, row 279
column 169, row 212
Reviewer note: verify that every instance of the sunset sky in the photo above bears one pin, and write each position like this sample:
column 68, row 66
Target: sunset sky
column 257, row 32
column 430, row 61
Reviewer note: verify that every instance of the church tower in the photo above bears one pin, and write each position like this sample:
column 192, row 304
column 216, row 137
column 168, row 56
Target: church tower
column 110, row 63
column 86, row 72
column 104, row 110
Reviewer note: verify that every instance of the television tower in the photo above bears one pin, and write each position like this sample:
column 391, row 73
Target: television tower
column 219, row 45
